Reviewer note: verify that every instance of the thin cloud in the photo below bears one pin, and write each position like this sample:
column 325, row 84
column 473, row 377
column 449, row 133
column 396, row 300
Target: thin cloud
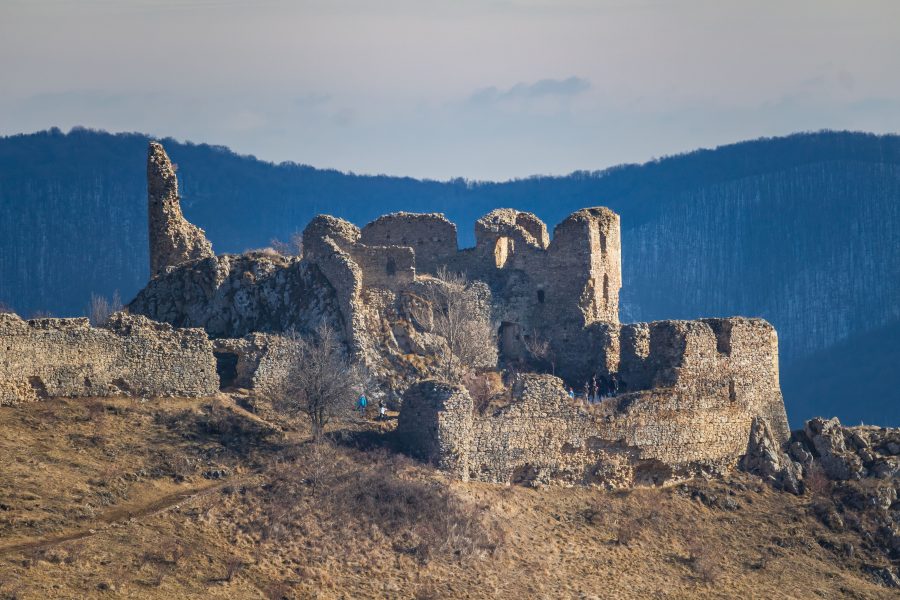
column 569, row 87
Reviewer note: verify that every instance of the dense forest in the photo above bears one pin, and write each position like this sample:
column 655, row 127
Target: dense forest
column 802, row 230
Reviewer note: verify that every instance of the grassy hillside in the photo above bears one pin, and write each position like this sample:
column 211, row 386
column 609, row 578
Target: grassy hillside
column 185, row 499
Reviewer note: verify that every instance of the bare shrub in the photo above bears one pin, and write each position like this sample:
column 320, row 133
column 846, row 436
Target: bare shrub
column 816, row 482
column 102, row 308
column 703, row 558
column 425, row 519
column 487, row 389
column 628, row 529
column 322, row 381
column 292, row 247
column 233, row 566
column 6, row 309
column 279, row 590
column 540, row 351
column 457, row 311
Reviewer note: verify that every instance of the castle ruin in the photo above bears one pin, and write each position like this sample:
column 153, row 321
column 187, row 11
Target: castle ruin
column 689, row 390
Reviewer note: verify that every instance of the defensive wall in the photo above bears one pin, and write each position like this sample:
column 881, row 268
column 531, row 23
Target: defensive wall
column 131, row 356
column 688, row 409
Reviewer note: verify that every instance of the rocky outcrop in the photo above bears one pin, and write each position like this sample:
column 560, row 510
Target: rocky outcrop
column 766, row 459
column 847, row 453
column 130, row 356
column 235, row 295
column 173, row 240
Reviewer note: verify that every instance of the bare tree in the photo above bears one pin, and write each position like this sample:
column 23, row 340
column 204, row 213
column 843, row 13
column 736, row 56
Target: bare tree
column 321, row 382
column 101, row 309
column 292, row 247
column 5, row 308
column 540, row 350
column 461, row 317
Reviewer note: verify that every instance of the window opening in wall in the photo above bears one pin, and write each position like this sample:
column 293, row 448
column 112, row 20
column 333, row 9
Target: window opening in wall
column 540, row 296
column 391, row 267
column 226, row 367
column 502, row 250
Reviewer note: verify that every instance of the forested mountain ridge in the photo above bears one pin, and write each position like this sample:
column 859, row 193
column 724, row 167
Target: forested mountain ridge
column 802, row 230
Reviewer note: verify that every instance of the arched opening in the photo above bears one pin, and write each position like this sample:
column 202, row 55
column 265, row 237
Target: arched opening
column 541, row 296
column 502, row 249
column 226, row 368
column 510, row 338
column 391, row 267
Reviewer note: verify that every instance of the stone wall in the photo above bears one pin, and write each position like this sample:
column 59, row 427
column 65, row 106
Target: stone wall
column 391, row 267
column 431, row 236
column 262, row 362
column 735, row 357
column 692, row 390
column 130, row 356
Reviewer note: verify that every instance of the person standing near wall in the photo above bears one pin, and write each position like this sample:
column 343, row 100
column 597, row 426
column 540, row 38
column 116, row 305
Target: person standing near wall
column 362, row 404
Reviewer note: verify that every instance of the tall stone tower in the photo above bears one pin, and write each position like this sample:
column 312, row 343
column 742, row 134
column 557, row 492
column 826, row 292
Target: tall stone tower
column 173, row 240
column 586, row 263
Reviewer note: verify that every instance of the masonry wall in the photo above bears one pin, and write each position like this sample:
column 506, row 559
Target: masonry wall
column 131, row 356
column 705, row 383
column 390, row 267
column 736, row 357
column 431, row 236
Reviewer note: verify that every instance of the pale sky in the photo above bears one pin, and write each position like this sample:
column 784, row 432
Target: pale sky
column 478, row 89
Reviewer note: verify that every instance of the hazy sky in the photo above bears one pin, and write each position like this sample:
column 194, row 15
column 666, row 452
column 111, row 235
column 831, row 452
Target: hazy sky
column 479, row 89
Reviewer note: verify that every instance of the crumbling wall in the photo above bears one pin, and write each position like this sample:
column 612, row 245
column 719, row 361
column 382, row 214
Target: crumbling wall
column 173, row 240
column 391, row 267
column 130, row 356
column 694, row 392
column 435, row 422
column 431, row 236
column 735, row 357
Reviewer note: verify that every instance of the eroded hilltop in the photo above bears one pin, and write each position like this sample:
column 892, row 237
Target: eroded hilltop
column 681, row 397
column 212, row 492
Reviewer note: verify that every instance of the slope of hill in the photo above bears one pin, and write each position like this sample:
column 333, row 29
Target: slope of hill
column 801, row 230
column 112, row 498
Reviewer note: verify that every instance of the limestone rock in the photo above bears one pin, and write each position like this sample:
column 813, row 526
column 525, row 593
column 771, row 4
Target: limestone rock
column 765, row 458
column 827, row 437
column 173, row 240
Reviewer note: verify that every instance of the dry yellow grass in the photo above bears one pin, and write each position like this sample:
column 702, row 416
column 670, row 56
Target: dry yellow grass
column 107, row 498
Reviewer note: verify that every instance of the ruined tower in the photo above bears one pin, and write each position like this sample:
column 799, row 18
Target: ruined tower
column 173, row 240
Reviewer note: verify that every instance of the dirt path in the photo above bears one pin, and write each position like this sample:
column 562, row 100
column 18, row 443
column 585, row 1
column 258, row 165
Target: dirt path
column 121, row 514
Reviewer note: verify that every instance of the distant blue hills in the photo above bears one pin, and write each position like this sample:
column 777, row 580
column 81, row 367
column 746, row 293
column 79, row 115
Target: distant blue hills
column 802, row 230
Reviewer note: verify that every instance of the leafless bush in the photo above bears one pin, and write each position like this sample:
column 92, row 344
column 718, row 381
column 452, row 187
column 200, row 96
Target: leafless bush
column 703, row 558
column 6, row 308
column 101, row 308
column 816, row 482
column 486, row 389
column 628, row 529
column 456, row 311
column 424, row 519
column 322, row 382
column 540, row 351
column 279, row 590
column 233, row 566
column 292, row 247
column 179, row 551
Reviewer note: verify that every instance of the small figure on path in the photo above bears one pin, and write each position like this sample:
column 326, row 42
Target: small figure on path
column 361, row 404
